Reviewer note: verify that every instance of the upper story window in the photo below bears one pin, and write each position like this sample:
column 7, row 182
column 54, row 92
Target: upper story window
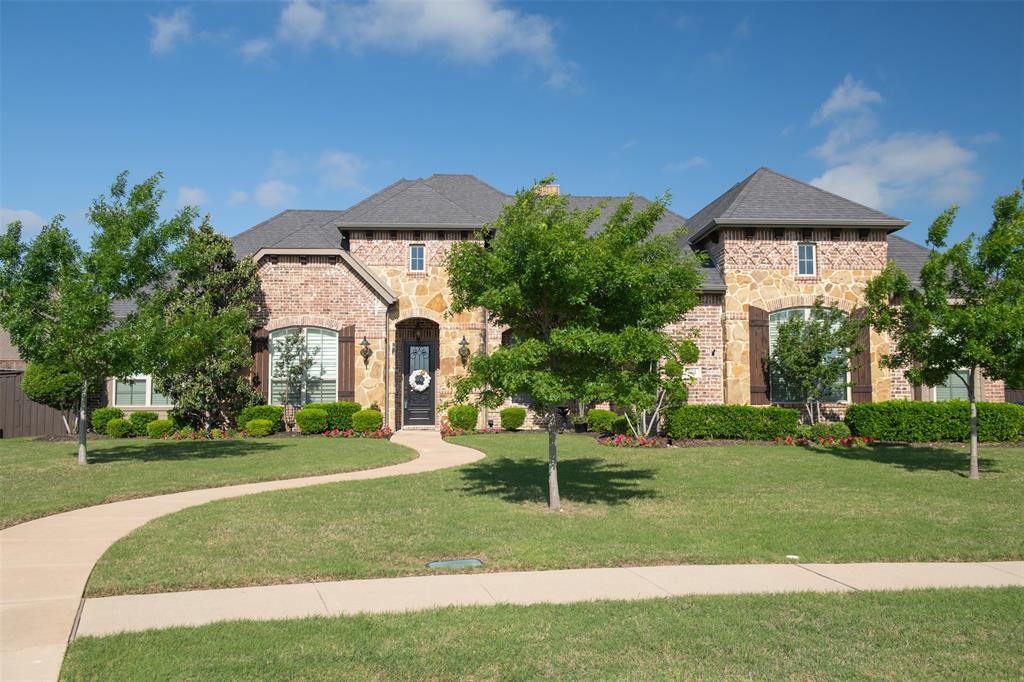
column 417, row 259
column 139, row 391
column 807, row 259
column 320, row 385
column 778, row 390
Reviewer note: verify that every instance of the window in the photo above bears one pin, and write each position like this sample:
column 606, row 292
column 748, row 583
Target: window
column 416, row 260
column 139, row 391
column 954, row 388
column 321, row 382
column 778, row 390
column 805, row 259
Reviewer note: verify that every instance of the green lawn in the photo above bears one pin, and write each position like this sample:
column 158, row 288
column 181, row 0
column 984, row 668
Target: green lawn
column 750, row 503
column 39, row 478
column 935, row 634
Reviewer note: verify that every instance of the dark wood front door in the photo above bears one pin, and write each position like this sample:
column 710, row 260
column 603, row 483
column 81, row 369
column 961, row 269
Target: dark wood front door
column 418, row 405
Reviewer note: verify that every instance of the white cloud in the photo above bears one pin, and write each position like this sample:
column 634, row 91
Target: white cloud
column 255, row 49
column 192, row 196
column 986, row 138
column 169, row 30
column 883, row 170
column 742, row 29
column 31, row 222
column 340, row 170
column 283, row 164
column 301, row 23
column 680, row 166
column 237, row 198
column 274, row 193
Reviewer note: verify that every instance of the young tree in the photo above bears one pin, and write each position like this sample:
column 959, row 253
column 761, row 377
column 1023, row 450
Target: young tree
column 812, row 356
column 56, row 299
column 55, row 387
column 292, row 361
column 196, row 333
column 587, row 312
column 967, row 313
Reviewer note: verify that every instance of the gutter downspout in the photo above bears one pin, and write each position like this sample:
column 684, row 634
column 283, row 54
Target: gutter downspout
column 387, row 367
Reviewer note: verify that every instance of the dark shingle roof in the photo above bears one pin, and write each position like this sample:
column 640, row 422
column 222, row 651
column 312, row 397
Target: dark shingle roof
column 769, row 197
column 294, row 229
column 448, row 200
column 909, row 256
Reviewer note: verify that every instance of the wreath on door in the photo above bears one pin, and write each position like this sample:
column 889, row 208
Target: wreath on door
column 419, row 380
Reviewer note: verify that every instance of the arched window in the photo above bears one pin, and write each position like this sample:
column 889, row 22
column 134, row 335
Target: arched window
column 778, row 391
column 321, row 381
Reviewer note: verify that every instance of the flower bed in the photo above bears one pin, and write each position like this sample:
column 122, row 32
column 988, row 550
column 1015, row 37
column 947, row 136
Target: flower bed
column 447, row 430
column 826, row 441
column 626, row 441
column 383, row 433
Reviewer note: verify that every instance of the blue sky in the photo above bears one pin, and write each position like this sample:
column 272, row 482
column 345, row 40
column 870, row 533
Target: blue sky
column 249, row 108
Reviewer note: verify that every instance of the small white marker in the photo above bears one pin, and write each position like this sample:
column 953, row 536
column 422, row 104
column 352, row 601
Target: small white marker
column 794, row 557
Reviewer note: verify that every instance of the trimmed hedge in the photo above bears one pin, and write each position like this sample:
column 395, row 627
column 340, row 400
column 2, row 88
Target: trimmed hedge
column 916, row 421
column 512, row 418
column 463, row 417
column 272, row 413
column 158, row 428
column 139, row 421
column 339, row 415
column 311, row 420
column 259, row 428
column 746, row 422
column 119, row 428
column 601, row 421
column 103, row 415
column 367, row 420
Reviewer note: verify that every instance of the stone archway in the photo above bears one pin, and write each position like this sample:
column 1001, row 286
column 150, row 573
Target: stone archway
column 417, row 342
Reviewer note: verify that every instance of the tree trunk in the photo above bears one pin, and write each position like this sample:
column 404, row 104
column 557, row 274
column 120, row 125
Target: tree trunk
column 82, row 401
column 974, row 426
column 554, row 501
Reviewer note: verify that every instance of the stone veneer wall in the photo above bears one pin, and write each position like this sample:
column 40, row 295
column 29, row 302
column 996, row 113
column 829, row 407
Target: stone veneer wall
column 762, row 271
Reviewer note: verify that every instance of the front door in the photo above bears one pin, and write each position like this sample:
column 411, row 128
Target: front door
column 418, row 407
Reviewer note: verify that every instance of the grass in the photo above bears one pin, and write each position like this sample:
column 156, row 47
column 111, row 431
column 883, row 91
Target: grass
column 934, row 634
column 730, row 504
column 39, row 478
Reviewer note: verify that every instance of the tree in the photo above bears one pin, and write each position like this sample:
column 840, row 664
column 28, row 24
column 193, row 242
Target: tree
column 292, row 361
column 812, row 356
column 196, row 333
column 56, row 387
column 56, row 298
column 587, row 312
column 968, row 311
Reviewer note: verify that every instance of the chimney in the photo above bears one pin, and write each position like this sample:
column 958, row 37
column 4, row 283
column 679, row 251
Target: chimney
column 547, row 190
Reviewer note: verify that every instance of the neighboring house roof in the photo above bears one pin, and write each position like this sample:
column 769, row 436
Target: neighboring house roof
column 768, row 197
column 294, row 229
column 909, row 256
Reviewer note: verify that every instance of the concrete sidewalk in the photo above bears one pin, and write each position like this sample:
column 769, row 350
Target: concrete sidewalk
column 44, row 564
column 108, row 615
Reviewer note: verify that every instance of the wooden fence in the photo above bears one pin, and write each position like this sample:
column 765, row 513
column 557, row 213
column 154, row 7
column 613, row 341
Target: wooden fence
column 19, row 416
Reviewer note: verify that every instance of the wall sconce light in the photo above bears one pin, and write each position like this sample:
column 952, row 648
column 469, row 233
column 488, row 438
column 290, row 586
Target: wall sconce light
column 464, row 350
column 365, row 352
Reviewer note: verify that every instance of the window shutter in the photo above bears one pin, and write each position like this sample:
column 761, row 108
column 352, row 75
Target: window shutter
column 861, row 372
column 261, row 362
column 347, row 363
column 758, row 323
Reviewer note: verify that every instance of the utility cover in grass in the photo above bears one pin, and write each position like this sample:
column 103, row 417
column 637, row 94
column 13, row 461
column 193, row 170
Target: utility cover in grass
column 456, row 563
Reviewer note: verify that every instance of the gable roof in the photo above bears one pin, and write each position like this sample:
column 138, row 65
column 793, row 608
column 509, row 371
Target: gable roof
column 767, row 197
column 909, row 256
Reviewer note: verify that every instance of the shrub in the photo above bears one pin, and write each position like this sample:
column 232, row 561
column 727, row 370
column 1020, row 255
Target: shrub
column 119, row 428
column 620, row 426
column 259, row 428
column 834, row 430
column 339, row 415
column 272, row 413
column 512, row 418
column 139, row 421
column 601, row 421
column 103, row 415
column 463, row 417
column 367, row 420
column 158, row 428
column 922, row 422
column 311, row 420
column 217, row 433
column 748, row 422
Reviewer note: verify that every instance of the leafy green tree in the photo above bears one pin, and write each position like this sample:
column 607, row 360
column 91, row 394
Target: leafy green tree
column 587, row 312
column 196, row 333
column 967, row 313
column 56, row 387
column 812, row 356
column 292, row 362
column 56, row 298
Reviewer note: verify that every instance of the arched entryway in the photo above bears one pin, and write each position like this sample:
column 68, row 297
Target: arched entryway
column 416, row 363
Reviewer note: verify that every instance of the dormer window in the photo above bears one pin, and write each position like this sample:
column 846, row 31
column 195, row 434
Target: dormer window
column 806, row 260
column 417, row 259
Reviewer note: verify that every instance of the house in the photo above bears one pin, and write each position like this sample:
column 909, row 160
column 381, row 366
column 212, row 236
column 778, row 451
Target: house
column 367, row 287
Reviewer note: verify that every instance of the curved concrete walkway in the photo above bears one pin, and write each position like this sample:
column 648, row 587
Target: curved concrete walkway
column 109, row 615
column 44, row 564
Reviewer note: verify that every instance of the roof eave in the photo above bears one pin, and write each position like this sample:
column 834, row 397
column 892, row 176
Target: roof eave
column 891, row 224
column 410, row 226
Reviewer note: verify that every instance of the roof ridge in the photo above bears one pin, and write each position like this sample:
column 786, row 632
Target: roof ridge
column 745, row 182
column 452, row 200
column 261, row 224
column 381, row 190
column 831, row 194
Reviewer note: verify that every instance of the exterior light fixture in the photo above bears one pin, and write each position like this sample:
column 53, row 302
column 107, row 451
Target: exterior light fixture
column 365, row 352
column 464, row 350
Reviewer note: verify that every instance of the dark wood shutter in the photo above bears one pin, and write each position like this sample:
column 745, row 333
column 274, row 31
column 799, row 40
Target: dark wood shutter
column 861, row 372
column 758, row 322
column 261, row 362
column 347, row 363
